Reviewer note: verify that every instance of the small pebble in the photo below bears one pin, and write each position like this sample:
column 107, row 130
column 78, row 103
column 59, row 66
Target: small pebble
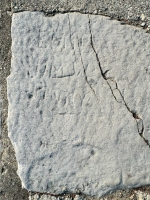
column 143, row 24
column 142, row 17
column 9, row 13
column 95, row 12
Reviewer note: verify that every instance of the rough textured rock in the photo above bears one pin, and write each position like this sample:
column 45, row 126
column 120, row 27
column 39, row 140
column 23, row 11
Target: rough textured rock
column 79, row 103
column 134, row 12
column 0, row 125
column 134, row 195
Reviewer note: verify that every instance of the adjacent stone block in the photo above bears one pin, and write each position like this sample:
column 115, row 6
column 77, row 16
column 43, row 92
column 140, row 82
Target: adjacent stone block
column 79, row 101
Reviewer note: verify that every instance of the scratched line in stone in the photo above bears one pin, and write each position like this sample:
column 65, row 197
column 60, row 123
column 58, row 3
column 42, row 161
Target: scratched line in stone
column 68, row 130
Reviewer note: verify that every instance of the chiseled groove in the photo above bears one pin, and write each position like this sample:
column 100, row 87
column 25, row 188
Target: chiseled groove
column 134, row 114
column 71, row 38
column 84, row 71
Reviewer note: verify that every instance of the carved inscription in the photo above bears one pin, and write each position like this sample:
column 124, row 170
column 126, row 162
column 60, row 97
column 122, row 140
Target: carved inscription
column 63, row 102
column 48, row 41
column 49, row 144
column 51, row 65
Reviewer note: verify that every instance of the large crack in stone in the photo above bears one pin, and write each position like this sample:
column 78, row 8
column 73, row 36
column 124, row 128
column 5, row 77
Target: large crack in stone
column 139, row 121
column 68, row 132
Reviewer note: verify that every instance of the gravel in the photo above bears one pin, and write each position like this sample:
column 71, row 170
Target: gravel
column 10, row 184
column 132, row 12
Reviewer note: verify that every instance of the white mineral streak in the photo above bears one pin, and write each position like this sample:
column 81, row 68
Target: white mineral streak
column 79, row 97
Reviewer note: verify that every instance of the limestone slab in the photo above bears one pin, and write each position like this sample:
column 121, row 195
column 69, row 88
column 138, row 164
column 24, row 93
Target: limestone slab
column 79, row 101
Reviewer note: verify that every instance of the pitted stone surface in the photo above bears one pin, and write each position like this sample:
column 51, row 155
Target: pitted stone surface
column 79, row 103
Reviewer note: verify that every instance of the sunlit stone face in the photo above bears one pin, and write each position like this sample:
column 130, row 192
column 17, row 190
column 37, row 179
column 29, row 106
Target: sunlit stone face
column 79, row 101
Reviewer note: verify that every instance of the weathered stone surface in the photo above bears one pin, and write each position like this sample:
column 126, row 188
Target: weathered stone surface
column 79, row 103
column 10, row 184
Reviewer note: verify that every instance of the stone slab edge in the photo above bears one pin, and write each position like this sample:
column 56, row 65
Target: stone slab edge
column 16, row 8
column 136, row 13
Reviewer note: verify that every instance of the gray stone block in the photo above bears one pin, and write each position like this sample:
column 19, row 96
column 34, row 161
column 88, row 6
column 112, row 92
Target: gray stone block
column 79, row 101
